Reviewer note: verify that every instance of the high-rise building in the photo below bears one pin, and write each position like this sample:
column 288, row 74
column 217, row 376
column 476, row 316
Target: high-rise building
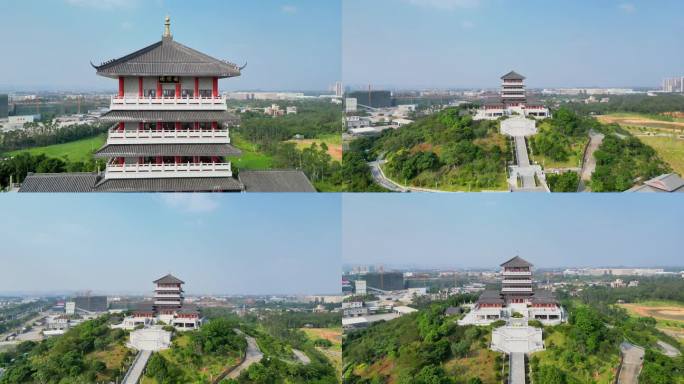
column 339, row 91
column 4, row 106
column 373, row 99
column 673, row 84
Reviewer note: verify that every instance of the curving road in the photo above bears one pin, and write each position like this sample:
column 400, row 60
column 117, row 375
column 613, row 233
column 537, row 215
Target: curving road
column 632, row 359
column 252, row 355
column 589, row 162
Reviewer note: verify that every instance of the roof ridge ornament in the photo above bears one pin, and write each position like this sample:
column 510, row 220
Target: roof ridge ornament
column 167, row 28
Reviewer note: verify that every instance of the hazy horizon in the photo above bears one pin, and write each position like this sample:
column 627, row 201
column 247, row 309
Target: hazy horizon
column 287, row 44
column 471, row 43
column 482, row 230
column 216, row 243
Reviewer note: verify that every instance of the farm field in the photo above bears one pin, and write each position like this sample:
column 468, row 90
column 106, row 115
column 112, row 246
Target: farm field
column 80, row 150
column 640, row 120
column 334, row 335
column 669, row 315
column 333, row 141
column 670, row 149
column 251, row 158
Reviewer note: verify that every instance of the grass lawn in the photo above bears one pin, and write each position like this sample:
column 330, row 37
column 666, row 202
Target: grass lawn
column 670, row 149
column 573, row 161
column 642, row 120
column 251, row 158
column 113, row 357
column 80, row 150
column 480, row 363
column 332, row 140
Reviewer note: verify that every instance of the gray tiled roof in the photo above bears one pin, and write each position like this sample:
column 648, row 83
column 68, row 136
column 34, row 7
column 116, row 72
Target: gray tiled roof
column 544, row 296
column 189, row 184
column 669, row 182
column 516, row 262
column 135, row 150
column 168, row 116
column 490, row 297
column 59, row 182
column 167, row 58
column 169, row 279
column 275, row 181
column 512, row 75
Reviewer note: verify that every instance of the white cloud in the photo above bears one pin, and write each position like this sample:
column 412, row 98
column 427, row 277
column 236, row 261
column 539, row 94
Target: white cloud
column 103, row 4
column 446, row 4
column 190, row 203
column 627, row 7
column 290, row 9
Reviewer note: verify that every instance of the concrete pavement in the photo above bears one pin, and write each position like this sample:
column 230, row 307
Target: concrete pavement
column 589, row 162
column 252, row 355
column 517, row 372
column 632, row 359
column 135, row 372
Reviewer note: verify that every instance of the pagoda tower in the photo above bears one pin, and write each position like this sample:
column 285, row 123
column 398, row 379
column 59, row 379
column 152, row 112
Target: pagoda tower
column 168, row 294
column 516, row 287
column 170, row 127
column 513, row 89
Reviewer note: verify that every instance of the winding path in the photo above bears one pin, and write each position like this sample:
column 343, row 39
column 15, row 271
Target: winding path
column 252, row 355
column 632, row 359
column 589, row 162
column 301, row 356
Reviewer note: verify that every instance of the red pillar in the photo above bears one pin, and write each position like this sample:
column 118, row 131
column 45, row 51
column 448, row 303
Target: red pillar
column 214, row 87
column 159, row 89
column 178, row 90
column 159, row 126
column 177, row 159
column 140, row 87
column 178, row 126
column 122, row 126
column 196, row 126
column 121, row 160
column 158, row 160
column 141, row 126
column 140, row 160
column 196, row 86
column 214, row 125
column 121, row 86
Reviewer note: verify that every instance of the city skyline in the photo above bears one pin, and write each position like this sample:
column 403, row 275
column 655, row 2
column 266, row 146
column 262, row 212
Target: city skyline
column 477, row 231
column 121, row 243
column 470, row 43
column 287, row 44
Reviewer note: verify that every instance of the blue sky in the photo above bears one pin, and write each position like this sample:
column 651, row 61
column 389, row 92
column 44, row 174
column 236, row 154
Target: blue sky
column 471, row 43
column 229, row 244
column 288, row 44
column 483, row 230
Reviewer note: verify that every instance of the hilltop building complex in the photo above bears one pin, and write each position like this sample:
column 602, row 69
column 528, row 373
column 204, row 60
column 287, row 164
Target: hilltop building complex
column 513, row 100
column 517, row 298
column 170, row 130
column 168, row 307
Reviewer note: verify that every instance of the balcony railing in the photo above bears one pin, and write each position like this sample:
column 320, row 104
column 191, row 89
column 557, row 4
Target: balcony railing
column 138, row 171
column 516, row 289
column 169, row 136
column 517, row 281
column 517, row 273
column 164, row 302
column 135, row 103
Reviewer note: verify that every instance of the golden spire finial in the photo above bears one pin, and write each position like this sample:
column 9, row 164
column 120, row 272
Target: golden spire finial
column 167, row 27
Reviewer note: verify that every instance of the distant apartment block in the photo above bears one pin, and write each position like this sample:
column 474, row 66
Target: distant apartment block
column 673, row 84
column 4, row 106
column 373, row 99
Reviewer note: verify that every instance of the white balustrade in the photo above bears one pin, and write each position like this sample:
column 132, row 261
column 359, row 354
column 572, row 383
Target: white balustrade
column 135, row 103
column 169, row 136
column 138, row 171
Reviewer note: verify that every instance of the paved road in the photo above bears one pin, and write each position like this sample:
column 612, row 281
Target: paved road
column 135, row 372
column 632, row 359
column 380, row 178
column 668, row 350
column 589, row 162
column 253, row 355
column 517, row 368
column 525, row 169
column 301, row 356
